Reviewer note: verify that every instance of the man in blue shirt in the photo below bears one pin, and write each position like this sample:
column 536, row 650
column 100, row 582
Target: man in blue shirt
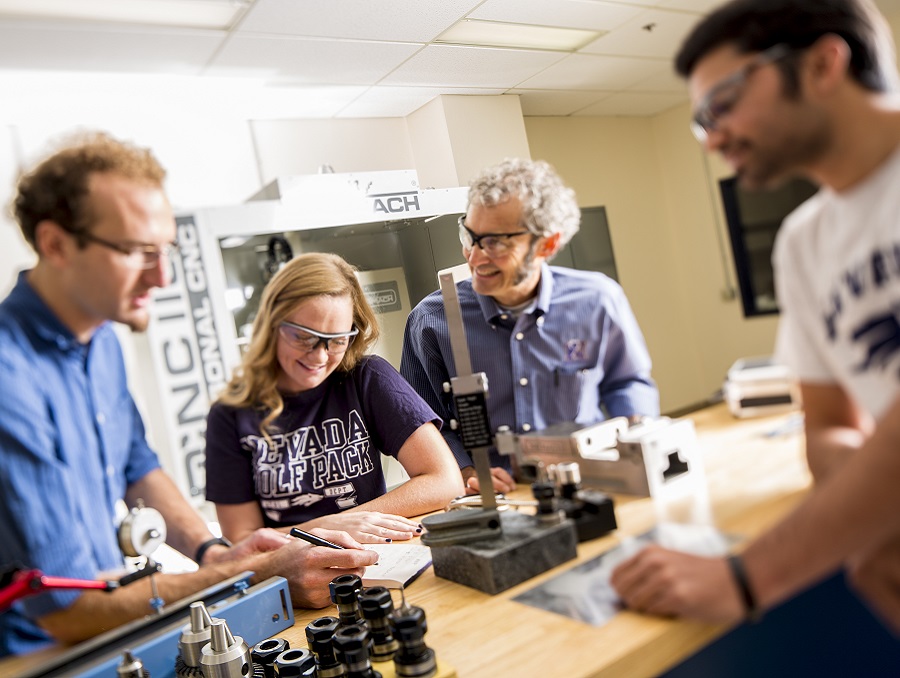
column 557, row 345
column 71, row 439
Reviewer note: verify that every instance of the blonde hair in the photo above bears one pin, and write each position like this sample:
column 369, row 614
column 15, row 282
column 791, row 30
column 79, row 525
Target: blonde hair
column 254, row 384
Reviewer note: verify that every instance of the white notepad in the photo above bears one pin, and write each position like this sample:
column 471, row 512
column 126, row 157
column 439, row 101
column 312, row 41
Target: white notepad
column 398, row 564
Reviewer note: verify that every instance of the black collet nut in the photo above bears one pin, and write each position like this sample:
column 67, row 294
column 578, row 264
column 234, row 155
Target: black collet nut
column 265, row 652
column 295, row 662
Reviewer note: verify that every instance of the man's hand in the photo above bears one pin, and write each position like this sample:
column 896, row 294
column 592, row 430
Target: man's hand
column 309, row 569
column 259, row 541
column 503, row 482
column 876, row 577
column 674, row 584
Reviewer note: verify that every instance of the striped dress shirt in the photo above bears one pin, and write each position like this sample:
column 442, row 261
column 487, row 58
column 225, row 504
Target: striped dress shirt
column 576, row 355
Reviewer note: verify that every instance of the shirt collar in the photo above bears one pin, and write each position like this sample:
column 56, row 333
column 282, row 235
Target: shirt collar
column 492, row 311
column 40, row 318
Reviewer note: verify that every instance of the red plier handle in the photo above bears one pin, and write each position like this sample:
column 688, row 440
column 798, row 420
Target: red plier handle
column 29, row 582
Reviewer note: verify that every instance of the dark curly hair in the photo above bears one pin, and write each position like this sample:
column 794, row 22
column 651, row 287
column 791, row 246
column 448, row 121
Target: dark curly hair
column 55, row 190
column 755, row 25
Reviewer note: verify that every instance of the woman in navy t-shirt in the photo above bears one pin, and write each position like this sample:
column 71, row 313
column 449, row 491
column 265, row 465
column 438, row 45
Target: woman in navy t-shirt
column 296, row 437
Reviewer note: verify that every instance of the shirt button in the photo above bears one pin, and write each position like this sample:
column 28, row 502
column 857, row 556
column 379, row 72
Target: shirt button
column 101, row 418
column 504, row 317
column 526, row 427
column 110, row 471
column 523, row 381
column 540, row 321
column 519, row 336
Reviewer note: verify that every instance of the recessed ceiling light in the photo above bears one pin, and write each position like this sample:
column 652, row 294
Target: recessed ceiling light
column 499, row 34
column 217, row 14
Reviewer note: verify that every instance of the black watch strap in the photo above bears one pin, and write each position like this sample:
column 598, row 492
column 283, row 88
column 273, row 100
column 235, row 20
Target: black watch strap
column 205, row 546
column 751, row 606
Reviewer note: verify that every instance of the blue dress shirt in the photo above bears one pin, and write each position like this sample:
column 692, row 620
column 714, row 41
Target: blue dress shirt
column 577, row 354
column 71, row 441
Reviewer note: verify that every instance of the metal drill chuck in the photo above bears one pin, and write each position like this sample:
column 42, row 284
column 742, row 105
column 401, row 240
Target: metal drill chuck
column 319, row 633
column 376, row 604
column 226, row 655
column 194, row 635
column 414, row 659
column 352, row 645
column 131, row 667
column 345, row 595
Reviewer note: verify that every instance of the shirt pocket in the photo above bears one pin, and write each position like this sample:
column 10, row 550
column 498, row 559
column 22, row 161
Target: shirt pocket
column 562, row 394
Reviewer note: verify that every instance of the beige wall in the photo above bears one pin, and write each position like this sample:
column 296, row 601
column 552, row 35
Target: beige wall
column 454, row 136
column 613, row 162
column 484, row 130
column 432, row 150
column 712, row 309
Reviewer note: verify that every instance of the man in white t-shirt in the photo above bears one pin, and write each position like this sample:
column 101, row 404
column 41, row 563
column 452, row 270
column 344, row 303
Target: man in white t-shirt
column 786, row 88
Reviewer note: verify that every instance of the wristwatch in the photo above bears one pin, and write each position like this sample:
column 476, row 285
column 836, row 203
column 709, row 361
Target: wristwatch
column 205, row 546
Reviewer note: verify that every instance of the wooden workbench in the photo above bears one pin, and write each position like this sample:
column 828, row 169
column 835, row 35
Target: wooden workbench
column 756, row 472
column 754, row 479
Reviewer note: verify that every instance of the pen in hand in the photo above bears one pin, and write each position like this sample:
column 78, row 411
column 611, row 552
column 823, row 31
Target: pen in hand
column 313, row 539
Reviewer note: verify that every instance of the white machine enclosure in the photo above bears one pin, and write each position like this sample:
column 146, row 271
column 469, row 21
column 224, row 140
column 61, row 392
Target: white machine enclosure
column 396, row 234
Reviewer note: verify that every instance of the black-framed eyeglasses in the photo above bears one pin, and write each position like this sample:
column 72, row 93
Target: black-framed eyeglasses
column 308, row 340
column 492, row 244
column 137, row 256
column 723, row 97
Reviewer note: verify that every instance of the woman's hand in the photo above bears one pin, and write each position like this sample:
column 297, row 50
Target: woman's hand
column 369, row 527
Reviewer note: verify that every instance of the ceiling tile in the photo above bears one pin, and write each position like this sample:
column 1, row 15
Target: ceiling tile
column 553, row 102
column 696, row 6
column 655, row 33
column 664, row 80
column 312, row 60
column 101, row 48
column 633, row 103
column 593, row 16
column 32, row 95
column 454, row 66
column 358, row 58
column 398, row 20
column 641, row 3
column 389, row 102
column 589, row 71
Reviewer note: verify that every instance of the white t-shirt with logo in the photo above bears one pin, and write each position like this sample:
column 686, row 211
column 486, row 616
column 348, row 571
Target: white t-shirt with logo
column 837, row 272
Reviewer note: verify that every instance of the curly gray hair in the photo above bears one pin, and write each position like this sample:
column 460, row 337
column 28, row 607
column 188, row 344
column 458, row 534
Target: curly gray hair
column 548, row 205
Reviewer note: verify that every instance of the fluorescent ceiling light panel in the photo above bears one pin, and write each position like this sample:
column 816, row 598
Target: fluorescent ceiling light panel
column 526, row 36
column 217, row 14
